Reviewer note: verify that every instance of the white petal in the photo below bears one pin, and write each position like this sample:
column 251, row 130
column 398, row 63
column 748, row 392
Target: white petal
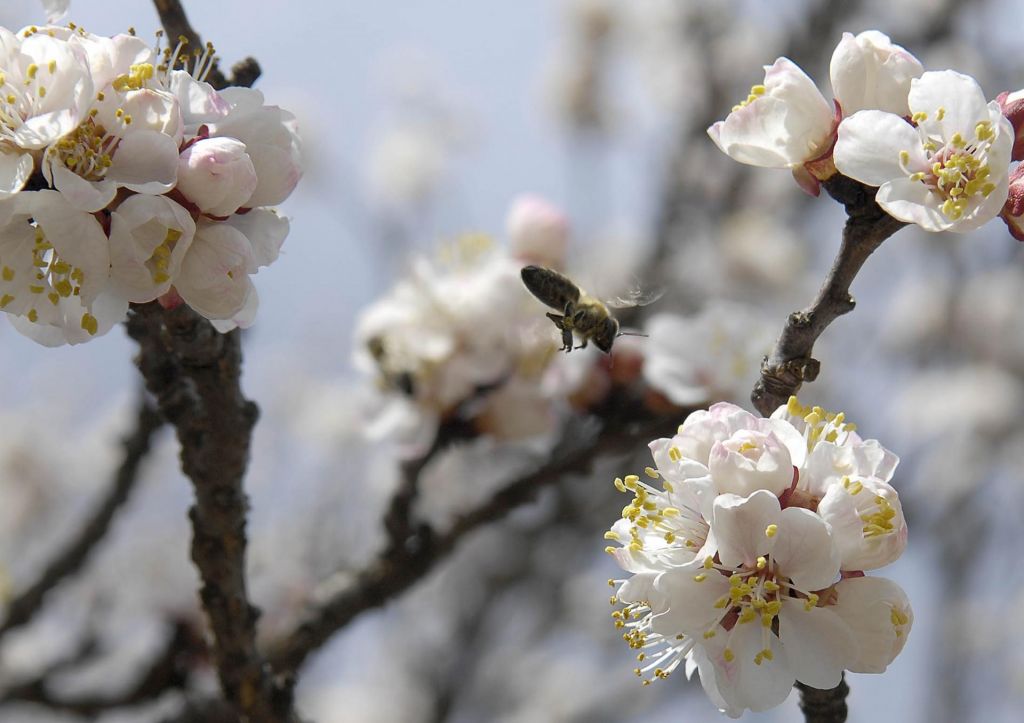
column 804, row 550
column 266, row 232
column 691, row 604
column 15, row 169
column 869, row 146
column 146, row 162
column 740, row 523
column 753, row 686
column 913, row 202
column 960, row 97
column 88, row 196
column 871, row 606
column 819, row 644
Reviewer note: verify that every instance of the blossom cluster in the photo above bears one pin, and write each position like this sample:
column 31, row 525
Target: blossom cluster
column 460, row 335
column 748, row 560
column 938, row 151
column 126, row 178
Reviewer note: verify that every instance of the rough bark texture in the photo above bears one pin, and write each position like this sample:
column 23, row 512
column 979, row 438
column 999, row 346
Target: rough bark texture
column 193, row 372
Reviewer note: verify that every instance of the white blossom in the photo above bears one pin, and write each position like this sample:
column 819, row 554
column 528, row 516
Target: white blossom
column 947, row 173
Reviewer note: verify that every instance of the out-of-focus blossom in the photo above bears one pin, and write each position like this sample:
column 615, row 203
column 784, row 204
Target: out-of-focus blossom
column 55, row 9
column 950, row 172
column 434, row 342
column 869, row 71
column 712, row 356
column 538, row 232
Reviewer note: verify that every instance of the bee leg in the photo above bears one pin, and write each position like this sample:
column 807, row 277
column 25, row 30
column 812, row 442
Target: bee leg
column 584, row 344
column 566, row 331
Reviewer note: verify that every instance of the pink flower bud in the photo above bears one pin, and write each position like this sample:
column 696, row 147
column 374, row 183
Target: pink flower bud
column 538, row 231
column 1013, row 209
column 1012, row 106
column 749, row 461
column 217, row 175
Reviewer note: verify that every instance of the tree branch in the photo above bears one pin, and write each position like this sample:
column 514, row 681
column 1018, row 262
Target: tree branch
column 169, row 670
column 396, row 570
column 136, row 445
column 193, row 371
column 790, row 363
column 176, row 25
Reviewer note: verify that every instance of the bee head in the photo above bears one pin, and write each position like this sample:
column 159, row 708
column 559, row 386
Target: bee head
column 605, row 335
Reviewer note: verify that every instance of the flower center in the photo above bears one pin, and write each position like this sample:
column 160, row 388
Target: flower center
column 656, row 526
column 959, row 167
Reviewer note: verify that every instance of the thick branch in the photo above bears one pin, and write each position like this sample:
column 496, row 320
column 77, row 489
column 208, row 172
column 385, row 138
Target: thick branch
column 193, row 371
column 824, row 706
column 24, row 606
column 176, row 25
column 396, row 570
column 790, row 363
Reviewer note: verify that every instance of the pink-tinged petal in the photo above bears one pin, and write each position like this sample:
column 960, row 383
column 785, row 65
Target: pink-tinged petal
column 819, row 644
column 740, row 523
column 701, row 659
column 803, row 549
column 867, row 523
column 145, row 162
column 747, row 684
column 279, row 172
column 743, row 124
column 870, row 72
column 961, row 98
column 914, row 202
column 266, row 232
column 879, row 613
column 15, row 169
column 244, row 318
column 869, row 146
column 212, row 279
column 689, row 593
column 789, row 436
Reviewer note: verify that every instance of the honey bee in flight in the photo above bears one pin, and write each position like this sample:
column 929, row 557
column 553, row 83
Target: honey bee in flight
column 581, row 313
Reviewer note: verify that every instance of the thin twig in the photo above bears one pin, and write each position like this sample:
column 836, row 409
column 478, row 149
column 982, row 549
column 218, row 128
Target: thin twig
column 790, row 364
column 70, row 559
column 194, row 372
column 176, row 25
column 169, row 670
column 391, row 574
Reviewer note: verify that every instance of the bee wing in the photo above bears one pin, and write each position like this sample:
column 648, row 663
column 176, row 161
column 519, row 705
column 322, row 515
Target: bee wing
column 636, row 296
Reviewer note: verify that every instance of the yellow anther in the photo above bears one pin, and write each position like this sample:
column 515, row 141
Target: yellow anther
column 708, row 634
column 762, row 562
column 611, row 535
column 771, row 530
column 728, row 655
column 747, row 615
column 651, row 472
column 701, row 577
column 674, row 454
column 709, row 562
